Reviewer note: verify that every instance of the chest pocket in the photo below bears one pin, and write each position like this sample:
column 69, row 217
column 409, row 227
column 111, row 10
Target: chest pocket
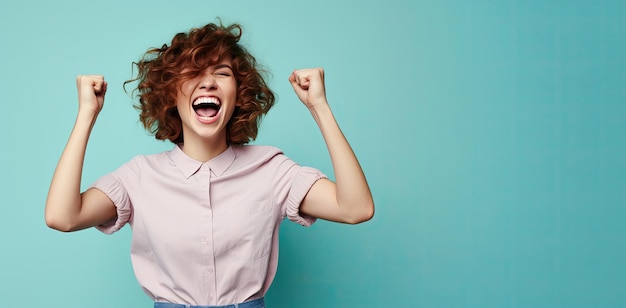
column 250, row 233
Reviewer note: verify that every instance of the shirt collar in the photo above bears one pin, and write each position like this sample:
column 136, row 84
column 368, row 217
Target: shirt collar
column 189, row 166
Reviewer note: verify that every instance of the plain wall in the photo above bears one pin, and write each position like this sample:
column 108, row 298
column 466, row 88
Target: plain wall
column 492, row 133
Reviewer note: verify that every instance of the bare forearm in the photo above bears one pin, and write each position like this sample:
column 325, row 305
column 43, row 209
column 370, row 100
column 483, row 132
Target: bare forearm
column 63, row 204
column 348, row 199
column 352, row 191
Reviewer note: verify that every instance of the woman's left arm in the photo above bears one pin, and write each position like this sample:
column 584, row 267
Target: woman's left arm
column 348, row 199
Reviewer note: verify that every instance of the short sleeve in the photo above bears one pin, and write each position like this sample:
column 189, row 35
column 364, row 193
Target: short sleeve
column 113, row 186
column 302, row 182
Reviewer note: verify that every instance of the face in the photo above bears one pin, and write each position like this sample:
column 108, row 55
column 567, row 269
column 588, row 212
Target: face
column 206, row 103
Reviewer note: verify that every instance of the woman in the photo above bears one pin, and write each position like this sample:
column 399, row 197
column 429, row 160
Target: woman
column 205, row 215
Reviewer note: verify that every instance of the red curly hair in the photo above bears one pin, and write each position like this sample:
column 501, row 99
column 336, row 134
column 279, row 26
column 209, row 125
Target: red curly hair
column 160, row 76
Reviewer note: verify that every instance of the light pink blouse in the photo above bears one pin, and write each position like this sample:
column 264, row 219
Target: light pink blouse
column 207, row 233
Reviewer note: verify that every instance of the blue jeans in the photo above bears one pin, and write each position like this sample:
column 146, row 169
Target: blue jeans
column 257, row 303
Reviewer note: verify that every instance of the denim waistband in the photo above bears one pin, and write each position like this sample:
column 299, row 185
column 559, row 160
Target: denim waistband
column 257, row 303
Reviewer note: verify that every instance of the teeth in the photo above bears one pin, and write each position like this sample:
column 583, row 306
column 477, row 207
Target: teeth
column 206, row 100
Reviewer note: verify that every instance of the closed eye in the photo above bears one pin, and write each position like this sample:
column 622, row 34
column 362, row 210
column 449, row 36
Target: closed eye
column 223, row 70
column 223, row 73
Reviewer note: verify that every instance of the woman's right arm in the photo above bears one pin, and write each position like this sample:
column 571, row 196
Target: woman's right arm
column 66, row 208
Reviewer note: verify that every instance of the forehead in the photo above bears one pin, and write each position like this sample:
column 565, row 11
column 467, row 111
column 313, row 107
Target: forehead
column 224, row 62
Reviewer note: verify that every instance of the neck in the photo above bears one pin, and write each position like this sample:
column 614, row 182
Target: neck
column 203, row 150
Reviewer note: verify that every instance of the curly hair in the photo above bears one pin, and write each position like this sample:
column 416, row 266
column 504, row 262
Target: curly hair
column 160, row 76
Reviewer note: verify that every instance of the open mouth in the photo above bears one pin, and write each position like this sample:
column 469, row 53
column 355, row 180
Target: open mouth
column 206, row 107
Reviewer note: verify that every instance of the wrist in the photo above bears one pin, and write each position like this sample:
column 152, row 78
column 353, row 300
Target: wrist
column 321, row 113
column 319, row 107
column 87, row 116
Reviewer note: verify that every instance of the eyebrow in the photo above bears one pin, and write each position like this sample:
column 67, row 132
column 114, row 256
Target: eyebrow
column 218, row 66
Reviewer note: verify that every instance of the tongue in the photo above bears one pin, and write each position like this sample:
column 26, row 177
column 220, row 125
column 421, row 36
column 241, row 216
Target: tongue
column 206, row 112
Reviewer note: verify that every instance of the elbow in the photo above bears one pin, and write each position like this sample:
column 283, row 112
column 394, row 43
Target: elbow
column 366, row 214
column 58, row 223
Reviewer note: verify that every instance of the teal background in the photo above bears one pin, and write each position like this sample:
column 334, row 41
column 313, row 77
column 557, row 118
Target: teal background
column 492, row 133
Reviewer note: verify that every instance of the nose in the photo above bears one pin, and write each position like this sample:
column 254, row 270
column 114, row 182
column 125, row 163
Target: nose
column 207, row 82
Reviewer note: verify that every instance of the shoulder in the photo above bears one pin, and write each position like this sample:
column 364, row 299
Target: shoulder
column 151, row 158
column 256, row 152
column 256, row 156
column 137, row 162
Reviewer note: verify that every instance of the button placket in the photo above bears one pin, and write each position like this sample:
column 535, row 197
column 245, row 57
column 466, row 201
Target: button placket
column 206, row 235
column 208, row 240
